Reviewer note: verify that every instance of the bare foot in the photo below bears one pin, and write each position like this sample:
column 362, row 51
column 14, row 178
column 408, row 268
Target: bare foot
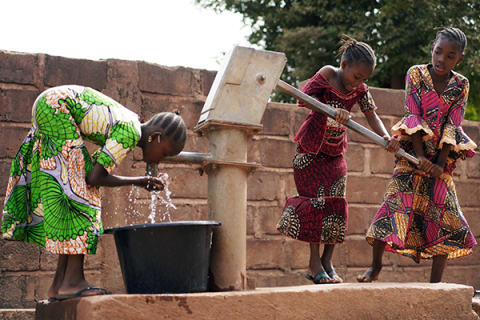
column 370, row 275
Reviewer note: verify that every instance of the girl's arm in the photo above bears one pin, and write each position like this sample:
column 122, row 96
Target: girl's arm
column 377, row 126
column 425, row 165
column 99, row 177
column 438, row 167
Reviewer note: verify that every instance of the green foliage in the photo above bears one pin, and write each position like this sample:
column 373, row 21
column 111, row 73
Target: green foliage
column 309, row 32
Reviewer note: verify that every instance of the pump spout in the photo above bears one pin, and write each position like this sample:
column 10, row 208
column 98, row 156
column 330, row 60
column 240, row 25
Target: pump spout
column 152, row 169
column 189, row 157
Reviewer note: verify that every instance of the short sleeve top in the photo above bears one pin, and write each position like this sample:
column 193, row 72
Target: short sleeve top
column 319, row 133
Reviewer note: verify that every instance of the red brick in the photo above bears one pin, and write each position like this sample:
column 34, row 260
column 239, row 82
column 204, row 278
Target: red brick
column 355, row 158
column 16, row 104
column 159, row 79
column 206, row 80
column 254, row 150
column 13, row 137
column 189, row 212
column 277, row 153
column 40, row 283
column 112, row 274
column 276, row 119
column 356, row 137
column 300, row 115
column 298, row 254
column 381, row 161
column 473, row 219
column 467, row 275
column 266, row 220
column 473, row 167
column 5, row 166
column 366, row 189
column 61, row 71
column 388, row 101
column 189, row 108
column 48, row 261
column 251, row 217
column 467, row 193
column 17, row 67
column 359, row 253
column 359, row 218
column 187, row 183
column 12, row 295
column 472, row 129
column 263, row 185
column 19, row 256
column 265, row 253
column 195, row 143
column 290, row 187
column 122, row 84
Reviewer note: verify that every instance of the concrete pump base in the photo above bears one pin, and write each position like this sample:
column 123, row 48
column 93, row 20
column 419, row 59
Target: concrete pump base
column 327, row 301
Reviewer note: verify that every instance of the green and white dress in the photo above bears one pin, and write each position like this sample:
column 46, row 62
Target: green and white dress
column 48, row 201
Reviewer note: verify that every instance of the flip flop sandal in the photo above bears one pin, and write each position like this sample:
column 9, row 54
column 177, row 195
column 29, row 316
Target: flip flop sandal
column 79, row 293
column 334, row 276
column 319, row 278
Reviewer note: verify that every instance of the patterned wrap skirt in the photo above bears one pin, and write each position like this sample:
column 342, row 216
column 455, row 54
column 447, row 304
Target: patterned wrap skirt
column 318, row 214
column 420, row 217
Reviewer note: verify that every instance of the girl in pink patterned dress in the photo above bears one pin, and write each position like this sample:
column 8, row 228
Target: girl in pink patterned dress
column 420, row 217
column 318, row 214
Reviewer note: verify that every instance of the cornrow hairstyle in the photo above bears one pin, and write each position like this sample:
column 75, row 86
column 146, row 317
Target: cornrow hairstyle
column 171, row 125
column 354, row 51
column 453, row 34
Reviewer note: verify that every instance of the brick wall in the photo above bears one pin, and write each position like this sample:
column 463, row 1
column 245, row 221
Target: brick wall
column 26, row 271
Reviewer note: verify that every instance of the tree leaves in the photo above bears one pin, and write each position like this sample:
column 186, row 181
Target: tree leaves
column 309, row 32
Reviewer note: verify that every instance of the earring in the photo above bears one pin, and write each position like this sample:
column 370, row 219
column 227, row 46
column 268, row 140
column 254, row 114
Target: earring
column 158, row 138
column 150, row 139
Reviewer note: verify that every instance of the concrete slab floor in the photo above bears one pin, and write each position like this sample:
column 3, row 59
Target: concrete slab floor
column 327, row 301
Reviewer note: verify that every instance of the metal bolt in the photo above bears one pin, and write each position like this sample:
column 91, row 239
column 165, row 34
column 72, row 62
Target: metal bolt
column 261, row 79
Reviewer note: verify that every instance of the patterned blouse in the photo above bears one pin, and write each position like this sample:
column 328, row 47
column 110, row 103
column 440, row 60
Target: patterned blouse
column 439, row 118
column 320, row 133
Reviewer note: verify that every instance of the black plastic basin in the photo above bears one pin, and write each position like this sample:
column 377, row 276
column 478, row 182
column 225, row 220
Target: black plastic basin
column 169, row 257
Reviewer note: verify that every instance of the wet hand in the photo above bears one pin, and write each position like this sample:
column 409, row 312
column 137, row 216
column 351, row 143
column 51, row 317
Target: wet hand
column 425, row 164
column 393, row 144
column 153, row 183
column 342, row 116
column 436, row 171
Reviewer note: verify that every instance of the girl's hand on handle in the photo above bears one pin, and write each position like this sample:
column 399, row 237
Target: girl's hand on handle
column 436, row 171
column 342, row 116
column 425, row 164
column 152, row 183
column 393, row 144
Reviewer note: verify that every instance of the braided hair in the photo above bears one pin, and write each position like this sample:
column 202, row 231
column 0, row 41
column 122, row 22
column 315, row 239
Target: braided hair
column 354, row 51
column 171, row 125
column 453, row 34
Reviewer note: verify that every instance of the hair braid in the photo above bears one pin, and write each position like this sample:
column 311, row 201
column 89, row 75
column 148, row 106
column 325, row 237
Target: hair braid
column 171, row 125
column 454, row 34
column 354, row 51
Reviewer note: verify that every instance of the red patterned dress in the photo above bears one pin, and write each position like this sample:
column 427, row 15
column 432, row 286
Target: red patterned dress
column 318, row 214
column 420, row 216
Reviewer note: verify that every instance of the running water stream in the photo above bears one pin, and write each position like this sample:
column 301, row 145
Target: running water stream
column 164, row 200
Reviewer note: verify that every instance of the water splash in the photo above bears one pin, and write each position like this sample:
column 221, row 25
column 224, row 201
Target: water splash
column 164, row 200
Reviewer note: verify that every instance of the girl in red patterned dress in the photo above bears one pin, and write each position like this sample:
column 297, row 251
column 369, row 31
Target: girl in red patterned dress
column 318, row 214
column 420, row 217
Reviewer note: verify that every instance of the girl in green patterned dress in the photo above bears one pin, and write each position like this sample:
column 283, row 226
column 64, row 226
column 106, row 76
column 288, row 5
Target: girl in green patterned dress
column 52, row 196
